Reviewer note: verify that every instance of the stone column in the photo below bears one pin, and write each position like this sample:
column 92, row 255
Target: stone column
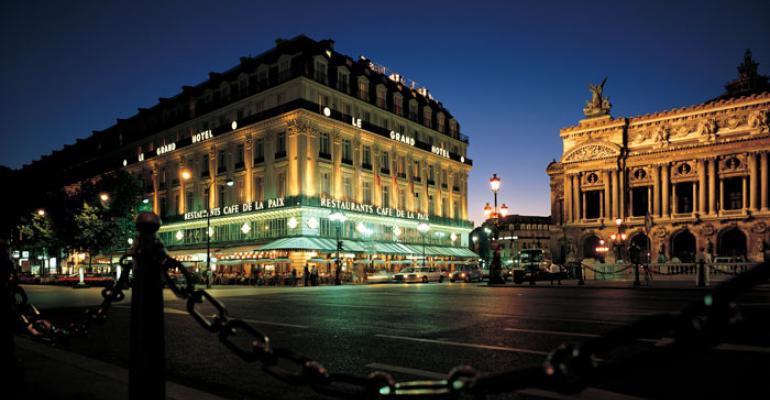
column 694, row 199
column 656, row 191
column 583, row 206
column 721, row 196
column 622, row 209
column 666, row 209
column 577, row 204
column 248, row 178
column 649, row 200
column 155, row 199
column 753, row 182
column 702, row 187
column 601, row 204
column 615, row 199
column 607, row 211
column 674, row 202
column 181, row 207
column 712, row 177
column 567, row 198
column 293, row 156
column 337, row 191
column 212, row 178
column 763, row 179
column 310, row 160
column 744, row 201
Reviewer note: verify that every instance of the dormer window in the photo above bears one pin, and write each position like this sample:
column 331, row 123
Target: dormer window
column 381, row 93
column 398, row 104
column 363, row 89
column 413, row 110
column 453, row 128
column 343, row 80
column 440, row 122
column 320, row 72
column 427, row 117
column 284, row 70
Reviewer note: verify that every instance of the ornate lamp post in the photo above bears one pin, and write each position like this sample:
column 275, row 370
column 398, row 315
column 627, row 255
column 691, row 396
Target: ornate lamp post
column 494, row 269
column 339, row 218
column 423, row 228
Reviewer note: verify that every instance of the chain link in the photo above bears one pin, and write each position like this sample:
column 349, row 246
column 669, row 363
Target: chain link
column 43, row 329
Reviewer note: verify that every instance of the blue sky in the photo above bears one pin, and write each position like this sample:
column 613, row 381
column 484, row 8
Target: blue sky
column 513, row 73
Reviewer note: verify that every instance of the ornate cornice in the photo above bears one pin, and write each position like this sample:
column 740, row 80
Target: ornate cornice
column 592, row 151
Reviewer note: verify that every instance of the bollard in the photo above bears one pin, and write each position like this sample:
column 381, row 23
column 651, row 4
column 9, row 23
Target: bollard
column 146, row 375
column 701, row 274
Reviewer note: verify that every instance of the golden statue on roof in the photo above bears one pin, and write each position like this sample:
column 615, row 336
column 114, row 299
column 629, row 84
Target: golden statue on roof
column 598, row 105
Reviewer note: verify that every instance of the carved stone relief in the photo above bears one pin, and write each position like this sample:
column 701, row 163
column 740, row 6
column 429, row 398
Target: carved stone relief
column 707, row 130
column 591, row 152
column 759, row 121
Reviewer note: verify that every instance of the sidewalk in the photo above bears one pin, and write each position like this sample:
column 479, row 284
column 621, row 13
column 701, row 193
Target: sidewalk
column 53, row 373
column 618, row 284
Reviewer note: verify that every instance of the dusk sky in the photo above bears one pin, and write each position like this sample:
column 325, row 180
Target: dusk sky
column 512, row 74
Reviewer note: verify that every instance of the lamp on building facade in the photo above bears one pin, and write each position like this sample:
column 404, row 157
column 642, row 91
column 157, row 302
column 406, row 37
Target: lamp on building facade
column 339, row 218
column 186, row 175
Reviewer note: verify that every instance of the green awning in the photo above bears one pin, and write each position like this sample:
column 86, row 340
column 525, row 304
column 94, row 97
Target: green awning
column 301, row 243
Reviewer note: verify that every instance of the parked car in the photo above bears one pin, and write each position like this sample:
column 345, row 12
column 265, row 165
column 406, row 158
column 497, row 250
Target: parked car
column 467, row 273
column 381, row 276
column 533, row 264
column 419, row 274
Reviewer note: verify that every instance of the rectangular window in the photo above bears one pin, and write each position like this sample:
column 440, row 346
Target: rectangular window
column 401, row 167
column 381, row 97
column 222, row 196
column 456, row 208
column 347, row 152
column 386, row 196
column 239, row 157
column 593, row 204
column 325, row 184
column 427, row 116
column 320, row 71
column 367, row 192
column 416, row 170
column 259, row 189
column 363, row 90
column 367, row 159
column 342, row 81
column 385, row 163
column 188, row 202
column 259, row 151
column 205, row 165
column 684, row 200
column 398, row 105
column 348, row 187
column 733, row 193
column 324, row 146
column 281, row 185
column 444, row 207
column 441, row 123
column 280, row 145
column 431, row 177
column 413, row 111
column 639, row 203
column 431, row 205
column 402, row 199
column 221, row 162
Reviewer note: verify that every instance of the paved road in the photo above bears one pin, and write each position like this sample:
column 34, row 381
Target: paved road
column 423, row 330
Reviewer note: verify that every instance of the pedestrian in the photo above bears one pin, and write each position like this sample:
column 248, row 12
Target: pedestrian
column 701, row 272
column 306, row 274
column 314, row 276
column 555, row 271
column 294, row 277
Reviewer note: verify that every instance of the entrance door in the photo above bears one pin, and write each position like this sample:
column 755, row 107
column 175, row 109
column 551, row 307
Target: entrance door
column 732, row 243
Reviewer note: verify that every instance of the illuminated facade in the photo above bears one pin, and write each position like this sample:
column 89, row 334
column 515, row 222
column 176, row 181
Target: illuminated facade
column 273, row 146
column 673, row 182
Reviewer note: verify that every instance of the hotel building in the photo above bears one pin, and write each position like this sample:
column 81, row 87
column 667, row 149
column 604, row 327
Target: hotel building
column 671, row 182
column 265, row 152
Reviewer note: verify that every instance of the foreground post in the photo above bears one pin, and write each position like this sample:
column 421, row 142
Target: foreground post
column 146, row 375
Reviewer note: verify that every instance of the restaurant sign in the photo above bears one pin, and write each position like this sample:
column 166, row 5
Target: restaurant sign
column 235, row 209
column 371, row 209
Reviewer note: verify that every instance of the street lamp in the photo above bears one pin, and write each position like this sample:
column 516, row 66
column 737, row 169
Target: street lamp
column 40, row 212
column 103, row 196
column 423, row 228
column 487, row 211
column 339, row 218
column 503, row 210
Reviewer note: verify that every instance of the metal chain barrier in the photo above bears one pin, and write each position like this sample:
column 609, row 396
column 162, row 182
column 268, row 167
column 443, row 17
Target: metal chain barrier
column 43, row 329
column 568, row 369
column 607, row 272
